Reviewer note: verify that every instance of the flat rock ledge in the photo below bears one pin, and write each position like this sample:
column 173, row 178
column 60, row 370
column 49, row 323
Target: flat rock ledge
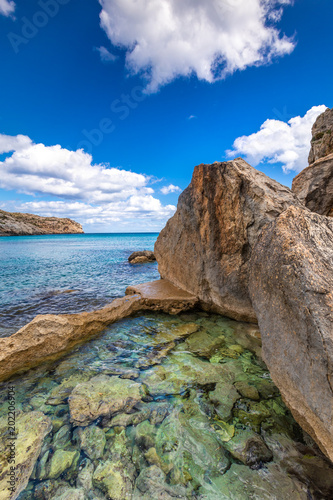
column 50, row 336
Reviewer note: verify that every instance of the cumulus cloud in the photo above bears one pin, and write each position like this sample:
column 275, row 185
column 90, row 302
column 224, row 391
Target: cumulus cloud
column 7, row 7
column 170, row 189
column 165, row 39
column 106, row 55
column 279, row 142
column 93, row 191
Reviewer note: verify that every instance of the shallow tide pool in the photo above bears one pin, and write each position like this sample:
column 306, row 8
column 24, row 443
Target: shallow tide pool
column 159, row 407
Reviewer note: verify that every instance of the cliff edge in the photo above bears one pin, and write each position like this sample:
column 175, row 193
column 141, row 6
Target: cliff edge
column 17, row 224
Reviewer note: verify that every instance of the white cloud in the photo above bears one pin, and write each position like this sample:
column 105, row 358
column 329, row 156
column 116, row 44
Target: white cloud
column 170, row 189
column 280, row 142
column 165, row 39
column 94, row 192
column 7, row 7
column 106, row 55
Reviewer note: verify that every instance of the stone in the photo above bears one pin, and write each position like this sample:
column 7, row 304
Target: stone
column 60, row 393
column 17, row 224
column 218, row 220
column 249, row 448
column 151, row 483
column 322, row 136
column 142, row 257
column 103, row 396
column 62, row 438
column 113, row 479
column 224, row 397
column 247, row 390
column 145, row 434
column 61, row 461
column 92, row 441
column 85, row 476
column 291, row 289
column 204, row 345
column 49, row 337
column 314, row 186
column 31, row 429
column 70, row 494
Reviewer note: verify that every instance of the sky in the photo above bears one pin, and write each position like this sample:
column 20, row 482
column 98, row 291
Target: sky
column 107, row 106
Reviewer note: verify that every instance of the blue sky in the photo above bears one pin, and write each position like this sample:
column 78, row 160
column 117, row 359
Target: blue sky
column 182, row 106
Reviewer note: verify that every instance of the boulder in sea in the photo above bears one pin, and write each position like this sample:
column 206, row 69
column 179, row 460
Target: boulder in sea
column 141, row 257
column 206, row 246
column 291, row 287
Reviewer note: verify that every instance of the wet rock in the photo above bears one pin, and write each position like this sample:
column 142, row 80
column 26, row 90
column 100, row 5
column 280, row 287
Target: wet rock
column 224, row 430
column 291, row 292
column 151, row 483
column 41, row 469
column 103, row 396
column 141, row 257
column 251, row 414
column 113, row 479
column 154, row 459
column 59, row 394
column 70, row 494
column 247, row 390
column 218, row 220
column 61, row 461
column 249, row 448
column 85, row 476
column 204, row 345
column 31, row 429
column 242, row 483
column 62, row 438
column 224, row 397
column 92, row 441
column 145, row 434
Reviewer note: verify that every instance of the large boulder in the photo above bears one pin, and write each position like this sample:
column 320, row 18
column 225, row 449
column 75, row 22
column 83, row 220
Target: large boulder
column 322, row 136
column 291, row 287
column 314, row 186
column 206, row 246
column 141, row 257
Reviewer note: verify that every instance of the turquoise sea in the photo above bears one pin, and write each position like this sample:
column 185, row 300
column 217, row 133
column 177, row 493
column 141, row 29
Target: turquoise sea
column 36, row 271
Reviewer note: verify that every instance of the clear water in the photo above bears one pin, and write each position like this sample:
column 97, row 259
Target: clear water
column 189, row 434
column 36, row 271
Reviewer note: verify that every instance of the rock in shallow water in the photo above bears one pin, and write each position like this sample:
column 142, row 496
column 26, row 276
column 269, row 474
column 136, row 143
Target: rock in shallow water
column 103, row 396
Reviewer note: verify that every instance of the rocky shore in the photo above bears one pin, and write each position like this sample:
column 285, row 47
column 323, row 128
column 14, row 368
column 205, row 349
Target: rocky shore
column 17, row 224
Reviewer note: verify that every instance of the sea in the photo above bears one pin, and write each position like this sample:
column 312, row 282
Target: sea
column 67, row 273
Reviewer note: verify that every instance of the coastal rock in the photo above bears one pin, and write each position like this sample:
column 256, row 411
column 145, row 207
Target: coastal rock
column 291, row 289
column 103, row 396
column 314, row 186
column 17, row 224
column 249, row 448
column 206, row 246
column 113, row 479
column 61, row 461
column 92, row 441
column 49, row 336
column 322, row 136
column 141, row 257
column 31, row 429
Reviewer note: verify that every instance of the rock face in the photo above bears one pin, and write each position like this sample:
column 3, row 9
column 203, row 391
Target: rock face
column 205, row 248
column 16, row 224
column 314, row 186
column 322, row 136
column 141, row 257
column 291, row 287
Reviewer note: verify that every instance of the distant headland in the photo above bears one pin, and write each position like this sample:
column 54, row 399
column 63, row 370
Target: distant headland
column 17, row 224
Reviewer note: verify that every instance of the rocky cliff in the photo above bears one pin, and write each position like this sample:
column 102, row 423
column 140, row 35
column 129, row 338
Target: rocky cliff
column 314, row 185
column 206, row 247
column 17, row 224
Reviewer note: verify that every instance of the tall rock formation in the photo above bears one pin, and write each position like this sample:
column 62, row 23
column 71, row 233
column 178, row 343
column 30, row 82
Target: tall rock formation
column 206, row 246
column 291, row 288
column 314, row 185
column 17, row 224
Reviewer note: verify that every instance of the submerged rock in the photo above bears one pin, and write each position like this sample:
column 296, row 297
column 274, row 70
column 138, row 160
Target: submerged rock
column 61, row 461
column 103, row 396
column 291, row 289
column 249, row 448
column 31, row 429
column 151, row 483
column 206, row 246
column 92, row 441
column 113, row 479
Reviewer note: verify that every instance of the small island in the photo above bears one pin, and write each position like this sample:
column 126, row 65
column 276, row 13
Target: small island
column 17, row 224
